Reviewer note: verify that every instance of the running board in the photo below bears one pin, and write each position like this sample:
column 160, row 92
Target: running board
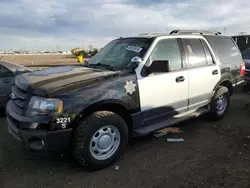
column 169, row 122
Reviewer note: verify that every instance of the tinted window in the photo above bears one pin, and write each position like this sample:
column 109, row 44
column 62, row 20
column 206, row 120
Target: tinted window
column 4, row 72
column 168, row 49
column 207, row 52
column 196, row 54
column 225, row 49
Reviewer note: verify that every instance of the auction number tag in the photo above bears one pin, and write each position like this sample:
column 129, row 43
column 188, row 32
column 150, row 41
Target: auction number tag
column 134, row 49
column 62, row 120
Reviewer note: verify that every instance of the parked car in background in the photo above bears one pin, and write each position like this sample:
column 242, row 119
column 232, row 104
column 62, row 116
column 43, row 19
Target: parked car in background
column 242, row 42
column 8, row 71
column 246, row 58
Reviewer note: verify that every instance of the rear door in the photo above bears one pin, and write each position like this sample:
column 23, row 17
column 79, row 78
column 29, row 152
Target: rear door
column 204, row 74
column 6, row 82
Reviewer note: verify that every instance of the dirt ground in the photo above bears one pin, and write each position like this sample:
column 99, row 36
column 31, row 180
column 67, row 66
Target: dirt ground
column 213, row 154
column 33, row 60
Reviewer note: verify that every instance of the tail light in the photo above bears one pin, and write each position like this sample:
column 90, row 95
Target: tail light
column 242, row 69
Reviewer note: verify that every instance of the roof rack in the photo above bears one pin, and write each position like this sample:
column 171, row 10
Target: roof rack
column 142, row 34
column 201, row 32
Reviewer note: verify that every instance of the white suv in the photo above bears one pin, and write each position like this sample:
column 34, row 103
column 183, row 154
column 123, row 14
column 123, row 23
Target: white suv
column 132, row 87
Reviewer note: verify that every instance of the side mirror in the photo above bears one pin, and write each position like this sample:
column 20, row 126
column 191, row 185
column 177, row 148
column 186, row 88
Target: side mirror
column 134, row 62
column 158, row 66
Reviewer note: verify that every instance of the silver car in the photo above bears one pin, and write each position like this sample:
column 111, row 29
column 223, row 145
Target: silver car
column 8, row 71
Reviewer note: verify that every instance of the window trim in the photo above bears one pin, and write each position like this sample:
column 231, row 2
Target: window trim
column 139, row 69
column 182, row 56
column 209, row 51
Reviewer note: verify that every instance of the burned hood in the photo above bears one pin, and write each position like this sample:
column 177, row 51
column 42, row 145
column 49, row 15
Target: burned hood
column 56, row 80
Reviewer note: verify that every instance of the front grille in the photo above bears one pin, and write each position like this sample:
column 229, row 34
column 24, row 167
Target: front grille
column 19, row 99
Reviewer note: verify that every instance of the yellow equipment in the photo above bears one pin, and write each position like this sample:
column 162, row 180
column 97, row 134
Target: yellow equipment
column 79, row 53
column 80, row 58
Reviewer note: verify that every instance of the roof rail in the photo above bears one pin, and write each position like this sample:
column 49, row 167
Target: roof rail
column 153, row 34
column 201, row 32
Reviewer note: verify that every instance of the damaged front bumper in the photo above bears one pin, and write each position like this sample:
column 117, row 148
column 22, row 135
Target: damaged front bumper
column 33, row 138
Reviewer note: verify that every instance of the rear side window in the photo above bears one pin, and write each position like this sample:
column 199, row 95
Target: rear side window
column 195, row 52
column 225, row 49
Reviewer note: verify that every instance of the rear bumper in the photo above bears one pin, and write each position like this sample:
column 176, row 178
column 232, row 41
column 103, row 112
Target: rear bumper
column 36, row 139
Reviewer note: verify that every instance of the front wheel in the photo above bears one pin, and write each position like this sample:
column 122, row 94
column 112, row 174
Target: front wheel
column 100, row 139
column 220, row 103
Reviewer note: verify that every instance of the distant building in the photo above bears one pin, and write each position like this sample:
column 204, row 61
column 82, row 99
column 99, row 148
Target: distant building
column 243, row 41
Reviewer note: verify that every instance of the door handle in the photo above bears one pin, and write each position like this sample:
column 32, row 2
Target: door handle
column 215, row 72
column 179, row 79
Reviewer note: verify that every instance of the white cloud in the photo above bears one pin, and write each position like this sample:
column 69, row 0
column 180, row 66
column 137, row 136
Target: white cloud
column 48, row 24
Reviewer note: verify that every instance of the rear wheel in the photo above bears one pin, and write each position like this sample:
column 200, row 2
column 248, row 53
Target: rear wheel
column 220, row 103
column 100, row 139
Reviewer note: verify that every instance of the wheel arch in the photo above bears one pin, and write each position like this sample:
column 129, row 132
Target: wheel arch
column 112, row 105
column 227, row 83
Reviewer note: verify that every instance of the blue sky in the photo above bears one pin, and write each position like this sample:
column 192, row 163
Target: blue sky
column 64, row 24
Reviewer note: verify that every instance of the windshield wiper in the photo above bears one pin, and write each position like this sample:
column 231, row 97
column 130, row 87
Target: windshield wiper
column 103, row 65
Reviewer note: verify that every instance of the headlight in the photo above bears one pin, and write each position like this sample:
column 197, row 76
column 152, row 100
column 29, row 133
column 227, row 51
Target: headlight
column 44, row 106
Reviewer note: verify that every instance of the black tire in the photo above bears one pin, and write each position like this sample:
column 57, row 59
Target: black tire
column 85, row 131
column 220, row 91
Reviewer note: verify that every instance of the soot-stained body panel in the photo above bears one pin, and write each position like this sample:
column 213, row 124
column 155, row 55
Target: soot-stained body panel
column 80, row 88
column 120, row 88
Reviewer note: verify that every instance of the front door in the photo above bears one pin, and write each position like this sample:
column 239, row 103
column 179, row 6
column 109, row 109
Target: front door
column 163, row 95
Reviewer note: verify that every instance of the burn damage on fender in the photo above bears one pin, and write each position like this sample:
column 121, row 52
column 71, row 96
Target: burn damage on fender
column 81, row 87
column 118, row 89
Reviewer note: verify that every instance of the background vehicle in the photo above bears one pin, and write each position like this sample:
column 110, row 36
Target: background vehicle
column 8, row 71
column 246, row 58
column 243, row 41
column 132, row 87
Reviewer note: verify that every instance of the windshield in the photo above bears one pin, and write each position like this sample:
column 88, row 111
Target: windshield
column 246, row 54
column 118, row 53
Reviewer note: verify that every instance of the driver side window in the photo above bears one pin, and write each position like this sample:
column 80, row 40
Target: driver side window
column 168, row 49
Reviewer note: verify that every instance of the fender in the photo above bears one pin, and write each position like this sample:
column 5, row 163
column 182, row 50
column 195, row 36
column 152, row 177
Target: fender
column 225, row 77
column 100, row 104
column 120, row 91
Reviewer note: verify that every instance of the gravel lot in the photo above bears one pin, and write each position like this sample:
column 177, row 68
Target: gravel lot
column 38, row 60
column 214, row 154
